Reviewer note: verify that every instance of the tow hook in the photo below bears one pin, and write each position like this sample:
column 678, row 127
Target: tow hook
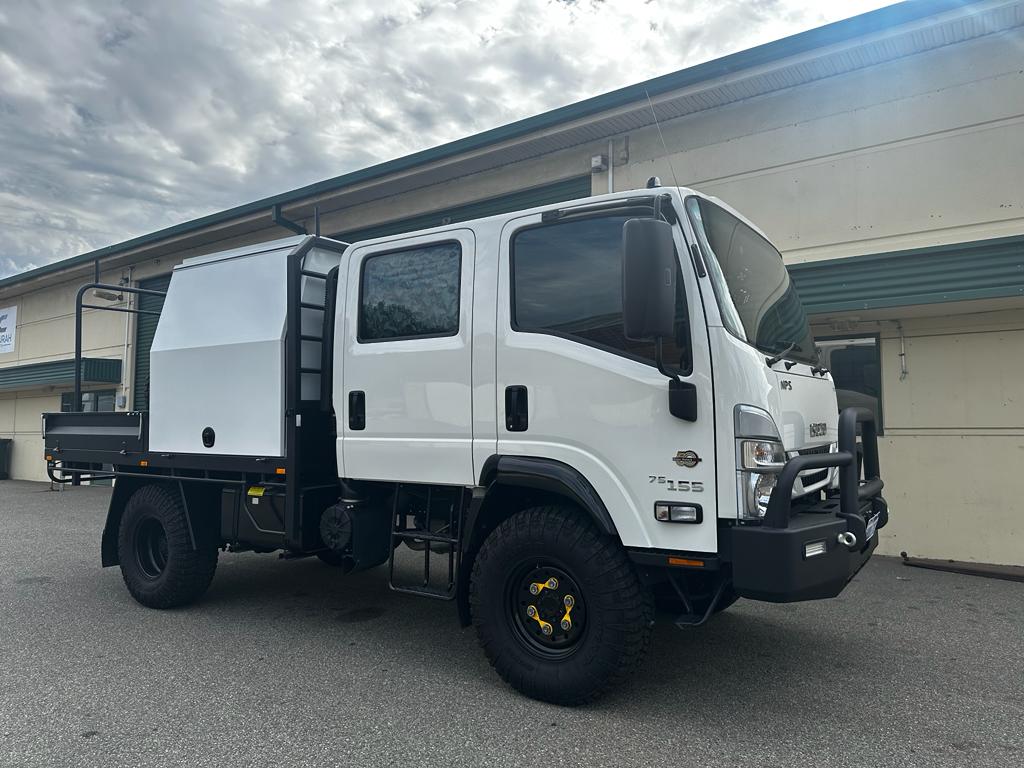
column 847, row 539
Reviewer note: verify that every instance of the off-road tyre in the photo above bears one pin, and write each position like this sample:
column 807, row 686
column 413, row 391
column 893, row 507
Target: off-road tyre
column 158, row 563
column 617, row 611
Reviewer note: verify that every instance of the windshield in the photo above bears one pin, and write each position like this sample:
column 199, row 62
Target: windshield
column 759, row 304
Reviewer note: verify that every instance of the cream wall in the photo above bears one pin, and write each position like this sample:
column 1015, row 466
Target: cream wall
column 953, row 446
column 915, row 152
column 46, row 332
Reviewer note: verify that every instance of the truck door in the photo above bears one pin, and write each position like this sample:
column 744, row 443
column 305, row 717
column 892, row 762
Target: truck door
column 406, row 407
column 572, row 389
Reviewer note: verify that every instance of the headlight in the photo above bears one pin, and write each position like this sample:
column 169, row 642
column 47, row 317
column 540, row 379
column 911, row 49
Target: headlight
column 762, row 455
column 759, row 457
column 755, row 490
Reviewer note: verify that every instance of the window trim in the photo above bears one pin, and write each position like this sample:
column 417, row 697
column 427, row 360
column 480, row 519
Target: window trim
column 603, row 214
column 880, row 425
column 390, row 252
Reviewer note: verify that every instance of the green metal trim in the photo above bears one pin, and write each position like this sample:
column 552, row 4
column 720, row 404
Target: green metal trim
column 558, row 192
column 57, row 373
column 830, row 34
column 982, row 269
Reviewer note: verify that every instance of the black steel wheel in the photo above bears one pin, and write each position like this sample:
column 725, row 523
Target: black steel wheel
column 546, row 608
column 558, row 608
column 151, row 547
column 159, row 564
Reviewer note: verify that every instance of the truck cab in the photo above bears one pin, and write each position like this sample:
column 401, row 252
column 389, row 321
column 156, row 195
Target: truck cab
column 584, row 411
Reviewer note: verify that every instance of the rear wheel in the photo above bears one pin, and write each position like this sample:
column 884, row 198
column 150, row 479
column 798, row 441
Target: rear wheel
column 159, row 565
column 557, row 607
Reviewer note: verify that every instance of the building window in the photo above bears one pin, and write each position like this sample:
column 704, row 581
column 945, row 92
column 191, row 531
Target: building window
column 411, row 294
column 92, row 402
column 856, row 367
column 567, row 281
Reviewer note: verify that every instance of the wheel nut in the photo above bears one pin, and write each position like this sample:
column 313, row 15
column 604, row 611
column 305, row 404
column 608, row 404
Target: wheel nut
column 547, row 629
column 568, row 601
column 566, row 625
column 552, row 583
column 534, row 589
column 531, row 611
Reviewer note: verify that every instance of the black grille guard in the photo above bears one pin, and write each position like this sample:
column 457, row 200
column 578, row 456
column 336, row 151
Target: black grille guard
column 853, row 494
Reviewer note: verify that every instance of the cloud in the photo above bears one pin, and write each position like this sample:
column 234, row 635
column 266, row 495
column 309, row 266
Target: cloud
column 120, row 118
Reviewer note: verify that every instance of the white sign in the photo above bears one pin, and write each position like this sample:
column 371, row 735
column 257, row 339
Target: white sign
column 8, row 321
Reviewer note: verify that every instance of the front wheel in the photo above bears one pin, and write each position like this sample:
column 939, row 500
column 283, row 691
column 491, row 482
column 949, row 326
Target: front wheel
column 558, row 608
column 159, row 565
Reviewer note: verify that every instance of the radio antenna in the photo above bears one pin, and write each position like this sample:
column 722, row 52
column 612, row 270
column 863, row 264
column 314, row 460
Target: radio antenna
column 661, row 136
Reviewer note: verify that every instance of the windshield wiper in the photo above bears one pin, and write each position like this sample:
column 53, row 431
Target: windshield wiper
column 773, row 359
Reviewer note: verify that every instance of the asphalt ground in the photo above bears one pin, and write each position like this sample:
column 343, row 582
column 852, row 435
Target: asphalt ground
column 288, row 663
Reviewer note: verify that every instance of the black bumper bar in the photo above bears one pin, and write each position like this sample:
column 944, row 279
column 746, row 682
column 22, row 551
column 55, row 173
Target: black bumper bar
column 771, row 560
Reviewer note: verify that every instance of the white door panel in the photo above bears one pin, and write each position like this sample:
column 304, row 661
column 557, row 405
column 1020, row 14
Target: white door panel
column 607, row 416
column 418, row 398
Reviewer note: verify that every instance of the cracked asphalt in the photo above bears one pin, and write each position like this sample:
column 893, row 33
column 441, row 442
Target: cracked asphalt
column 289, row 663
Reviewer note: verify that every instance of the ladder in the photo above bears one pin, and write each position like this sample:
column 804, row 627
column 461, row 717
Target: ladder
column 415, row 530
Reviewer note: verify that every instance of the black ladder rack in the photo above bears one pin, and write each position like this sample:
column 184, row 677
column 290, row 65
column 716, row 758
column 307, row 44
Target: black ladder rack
column 450, row 536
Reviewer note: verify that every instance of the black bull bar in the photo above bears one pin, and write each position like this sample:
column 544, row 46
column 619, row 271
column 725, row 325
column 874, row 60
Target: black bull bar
column 853, row 494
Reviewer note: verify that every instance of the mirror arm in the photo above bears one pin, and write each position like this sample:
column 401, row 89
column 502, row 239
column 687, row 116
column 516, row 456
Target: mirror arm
column 659, row 359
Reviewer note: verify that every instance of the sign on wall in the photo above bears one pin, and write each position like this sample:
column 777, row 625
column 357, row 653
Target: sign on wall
column 8, row 320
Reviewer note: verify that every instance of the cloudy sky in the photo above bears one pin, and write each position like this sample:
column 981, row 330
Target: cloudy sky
column 120, row 118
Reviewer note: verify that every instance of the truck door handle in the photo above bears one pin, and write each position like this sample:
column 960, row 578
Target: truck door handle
column 357, row 409
column 517, row 408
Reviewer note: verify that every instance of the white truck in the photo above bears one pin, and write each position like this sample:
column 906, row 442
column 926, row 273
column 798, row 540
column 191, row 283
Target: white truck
column 572, row 414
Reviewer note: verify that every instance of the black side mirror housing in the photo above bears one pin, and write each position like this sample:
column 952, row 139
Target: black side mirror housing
column 648, row 280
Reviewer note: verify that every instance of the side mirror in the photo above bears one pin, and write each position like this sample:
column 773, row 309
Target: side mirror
column 648, row 280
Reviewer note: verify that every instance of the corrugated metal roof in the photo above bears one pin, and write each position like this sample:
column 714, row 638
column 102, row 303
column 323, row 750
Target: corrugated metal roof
column 57, row 373
column 856, row 42
column 984, row 269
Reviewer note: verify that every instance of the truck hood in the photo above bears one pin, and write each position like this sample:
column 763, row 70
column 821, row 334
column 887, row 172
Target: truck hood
column 804, row 407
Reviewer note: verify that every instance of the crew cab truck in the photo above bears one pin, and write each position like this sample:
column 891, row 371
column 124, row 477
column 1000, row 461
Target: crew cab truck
column 571, row 413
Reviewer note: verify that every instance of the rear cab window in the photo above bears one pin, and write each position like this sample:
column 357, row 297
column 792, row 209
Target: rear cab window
column 411, row 293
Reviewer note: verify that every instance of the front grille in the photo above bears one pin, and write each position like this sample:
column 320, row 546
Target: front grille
column 814, row 477
column 816, row 450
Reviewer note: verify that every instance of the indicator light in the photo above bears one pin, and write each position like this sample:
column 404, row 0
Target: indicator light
column 686, row 561
column 667, row 512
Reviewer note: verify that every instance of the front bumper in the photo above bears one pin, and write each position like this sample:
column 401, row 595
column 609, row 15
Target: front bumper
column 770, row 560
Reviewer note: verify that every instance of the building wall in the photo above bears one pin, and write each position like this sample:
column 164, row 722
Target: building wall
column 917, row 152
column 953, row 438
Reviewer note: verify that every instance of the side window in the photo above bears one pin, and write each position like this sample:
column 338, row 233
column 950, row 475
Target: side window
column 855, row 364
column 567, row 281
column 410, row 294
column 91, row 401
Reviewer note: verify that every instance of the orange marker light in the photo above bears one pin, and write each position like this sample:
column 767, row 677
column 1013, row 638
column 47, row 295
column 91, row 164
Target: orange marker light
column 143, row 463
column 685, row 561
column 279, row 471
column 49, row 457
